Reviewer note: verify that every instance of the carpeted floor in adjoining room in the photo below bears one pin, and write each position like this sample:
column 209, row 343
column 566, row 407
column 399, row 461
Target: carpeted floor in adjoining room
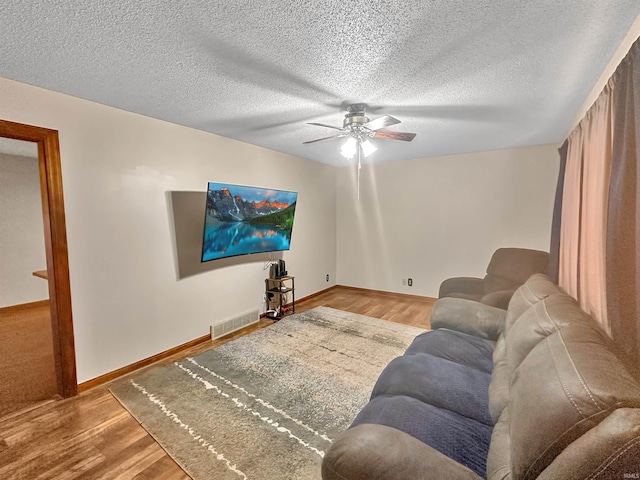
column 27, row 369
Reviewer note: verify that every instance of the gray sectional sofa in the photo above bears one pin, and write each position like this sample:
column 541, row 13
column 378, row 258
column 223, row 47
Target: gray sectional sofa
column 507, row 270
column 535, row 391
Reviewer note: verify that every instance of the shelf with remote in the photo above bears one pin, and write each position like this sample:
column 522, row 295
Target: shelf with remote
column 277, row 293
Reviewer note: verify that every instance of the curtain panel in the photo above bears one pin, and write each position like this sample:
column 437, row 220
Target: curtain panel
column 623, row 229
column 599, row 245
column 596, row 170
column 584, row 210
column 554, row 247
column 571, row 214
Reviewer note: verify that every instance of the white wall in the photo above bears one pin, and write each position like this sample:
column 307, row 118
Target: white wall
column 434, row 218
column 21, row 231
column 428, row 219
column 120, row 171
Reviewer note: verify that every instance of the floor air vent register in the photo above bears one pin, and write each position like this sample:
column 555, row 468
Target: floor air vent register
column 225, row 327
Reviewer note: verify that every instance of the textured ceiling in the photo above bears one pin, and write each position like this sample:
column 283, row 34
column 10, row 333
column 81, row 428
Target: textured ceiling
column 464, row 75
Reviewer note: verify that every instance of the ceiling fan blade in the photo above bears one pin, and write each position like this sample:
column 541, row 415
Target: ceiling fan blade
column 322, row 139
column 404, row 136
column 323, row 125
column 382, row 122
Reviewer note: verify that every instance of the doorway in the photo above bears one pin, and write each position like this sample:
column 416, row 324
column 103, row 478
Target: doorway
column 27, row 367
column 55, row 243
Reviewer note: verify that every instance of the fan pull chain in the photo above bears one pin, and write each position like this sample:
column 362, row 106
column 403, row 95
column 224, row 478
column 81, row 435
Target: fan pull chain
column 359, row 166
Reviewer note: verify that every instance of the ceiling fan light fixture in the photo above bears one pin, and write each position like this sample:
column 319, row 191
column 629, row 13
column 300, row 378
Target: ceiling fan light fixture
column 358, row 128
column 368, row 147
column 349, row 148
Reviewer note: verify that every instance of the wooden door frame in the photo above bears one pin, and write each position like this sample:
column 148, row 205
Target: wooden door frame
column 55, row 236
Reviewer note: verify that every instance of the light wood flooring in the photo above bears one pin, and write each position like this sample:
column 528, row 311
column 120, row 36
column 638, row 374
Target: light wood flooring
column 91, row 436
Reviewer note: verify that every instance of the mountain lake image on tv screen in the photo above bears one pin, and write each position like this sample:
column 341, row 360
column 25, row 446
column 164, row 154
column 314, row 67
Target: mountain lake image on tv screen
column 240, row 220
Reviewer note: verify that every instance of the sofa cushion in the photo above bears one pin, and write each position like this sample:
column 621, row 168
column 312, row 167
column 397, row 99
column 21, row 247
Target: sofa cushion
column 565, row 386
column 467, row 316
column 499, row 299
column 439, row 382
column 499, row 456
column 516, row 265
column 458, row 347
column 471, row 285
column 610, row 450
column 536, row 288
column 378, row 452
column 538, row 322
column 466, row 296
column 494, row 283
column 460, row 438
column 500, row 380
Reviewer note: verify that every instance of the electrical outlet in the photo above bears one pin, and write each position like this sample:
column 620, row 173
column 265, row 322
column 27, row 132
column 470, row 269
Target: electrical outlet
column 327, row 277
column 404, row 281
column 410, row 282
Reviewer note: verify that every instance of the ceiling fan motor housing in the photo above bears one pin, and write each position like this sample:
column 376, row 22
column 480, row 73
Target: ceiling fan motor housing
column 355, row 116
column 355, row 119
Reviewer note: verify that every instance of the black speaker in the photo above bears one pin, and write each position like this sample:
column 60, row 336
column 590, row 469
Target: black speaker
column 274, row 270
column 282, row 270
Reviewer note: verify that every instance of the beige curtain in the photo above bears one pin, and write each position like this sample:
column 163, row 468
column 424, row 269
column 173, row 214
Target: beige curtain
column 584, row 211
column 595, row 191
column 623, row 226
column 571, row 208
column 599, row 246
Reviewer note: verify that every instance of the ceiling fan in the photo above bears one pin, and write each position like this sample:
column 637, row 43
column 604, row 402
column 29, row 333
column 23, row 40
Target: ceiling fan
column 360, row 129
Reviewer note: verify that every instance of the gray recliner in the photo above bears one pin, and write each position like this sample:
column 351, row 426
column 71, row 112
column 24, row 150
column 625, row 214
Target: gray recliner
column 508, row 269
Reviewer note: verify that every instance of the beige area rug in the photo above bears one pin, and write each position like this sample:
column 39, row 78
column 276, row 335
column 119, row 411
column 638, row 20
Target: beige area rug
column 266, row 405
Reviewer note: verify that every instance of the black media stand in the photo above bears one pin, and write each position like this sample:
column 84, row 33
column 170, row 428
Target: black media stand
column 276, row 290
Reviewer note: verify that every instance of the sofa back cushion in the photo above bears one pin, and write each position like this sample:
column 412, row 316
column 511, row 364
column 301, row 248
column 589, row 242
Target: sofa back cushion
column 536, row 288
column 511, row 267
column 496, row 283
column 566, row 385
column 538, row 322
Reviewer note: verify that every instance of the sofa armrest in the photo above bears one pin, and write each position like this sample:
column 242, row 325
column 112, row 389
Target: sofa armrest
column 378, row 452
column 468, row 285
column 470, row 317
column 499, row 299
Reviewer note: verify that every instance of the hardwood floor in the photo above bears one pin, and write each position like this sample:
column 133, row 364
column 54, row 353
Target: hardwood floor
column 408, row 309
column 91, row 436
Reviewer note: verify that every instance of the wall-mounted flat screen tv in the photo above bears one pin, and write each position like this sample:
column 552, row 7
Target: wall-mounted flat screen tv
column 240, row 220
